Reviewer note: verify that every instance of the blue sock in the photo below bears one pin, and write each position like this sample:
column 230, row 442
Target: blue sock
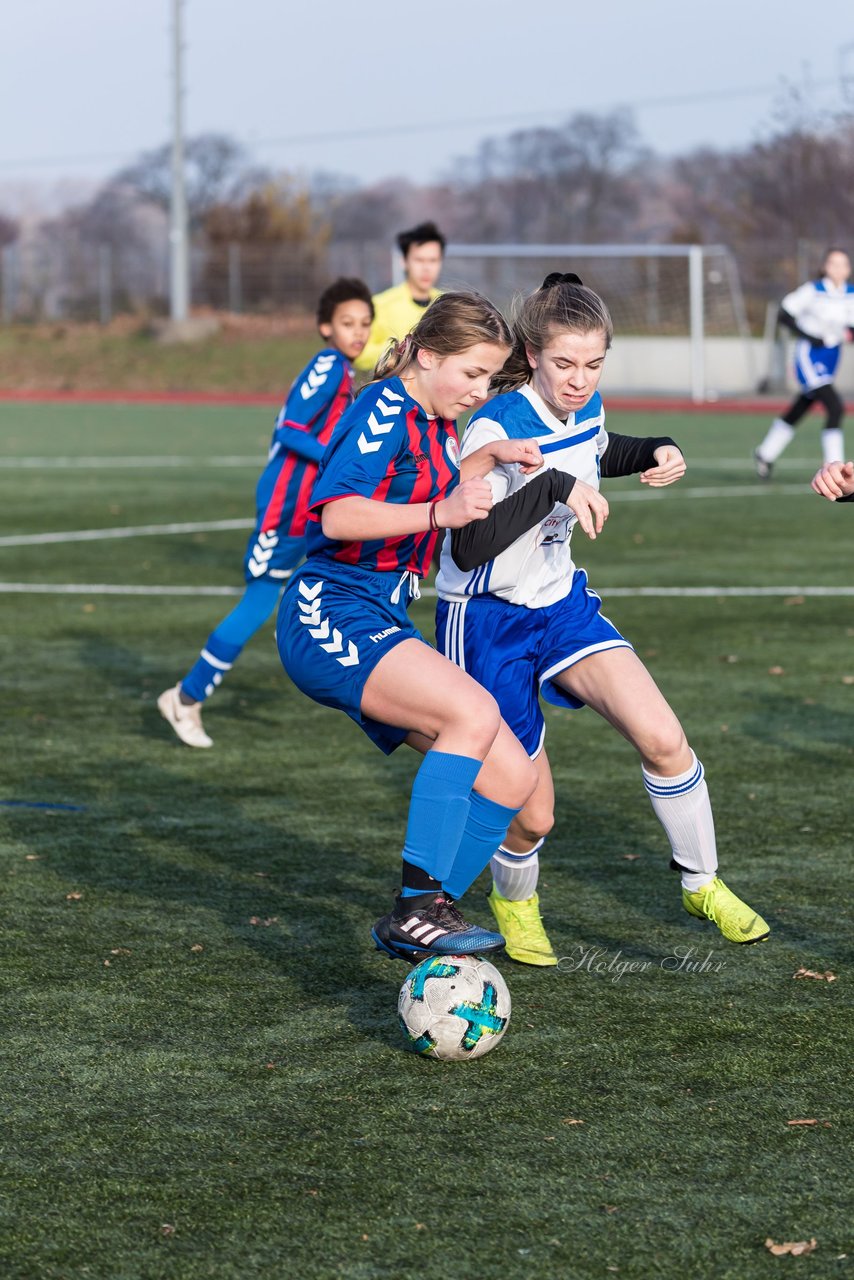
column 224, row 643
column 485, row 829
column 438, row 811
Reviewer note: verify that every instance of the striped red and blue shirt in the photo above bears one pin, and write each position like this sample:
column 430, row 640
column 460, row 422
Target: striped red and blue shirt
column 388, row 449
column 315, row 402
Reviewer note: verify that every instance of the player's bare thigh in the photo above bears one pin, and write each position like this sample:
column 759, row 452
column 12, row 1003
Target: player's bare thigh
column 617, row 685
column 413, row 686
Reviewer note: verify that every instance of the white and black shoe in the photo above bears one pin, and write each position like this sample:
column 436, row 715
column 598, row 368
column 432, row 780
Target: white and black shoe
column 763, row 468
column 429, row 924
column 185, row 719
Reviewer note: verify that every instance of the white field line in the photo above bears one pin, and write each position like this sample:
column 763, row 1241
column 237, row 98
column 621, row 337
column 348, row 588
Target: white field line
column 116, row 589
column 215, row 526
column 672, row 492
column 172, row 461
column 118, row 462
column 124, row 531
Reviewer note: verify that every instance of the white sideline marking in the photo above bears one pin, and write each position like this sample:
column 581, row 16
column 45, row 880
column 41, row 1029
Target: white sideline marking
column 764, row 490
column 125, row 531
column 214, row 526
column 143, row 460
column 115, row 589
column 130, row 461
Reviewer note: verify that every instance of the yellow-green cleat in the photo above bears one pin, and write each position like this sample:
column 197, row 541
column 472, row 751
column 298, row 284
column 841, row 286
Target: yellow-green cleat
column 736, row 920
column 525, row 939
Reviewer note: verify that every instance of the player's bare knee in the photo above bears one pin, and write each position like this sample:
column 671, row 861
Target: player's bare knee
column 521, row 786
column 534, row 823
column 477, row 718
column 665, row 749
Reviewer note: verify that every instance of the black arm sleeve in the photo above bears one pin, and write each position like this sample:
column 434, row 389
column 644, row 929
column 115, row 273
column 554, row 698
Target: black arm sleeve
column 849, row 498
column 789, row 322
column 483, row 540
column 627, row 455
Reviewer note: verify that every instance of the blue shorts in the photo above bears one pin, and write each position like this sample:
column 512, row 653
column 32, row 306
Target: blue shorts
column 815, row 366
column 516, row 652
column 336, row 621
column 271, row 555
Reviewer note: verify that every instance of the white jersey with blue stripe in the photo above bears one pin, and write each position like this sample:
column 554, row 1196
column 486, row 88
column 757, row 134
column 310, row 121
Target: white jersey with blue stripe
column 537, row 569
column 823, row 310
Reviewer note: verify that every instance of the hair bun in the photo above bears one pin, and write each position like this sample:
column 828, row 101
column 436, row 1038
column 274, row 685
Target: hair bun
column 557, row 277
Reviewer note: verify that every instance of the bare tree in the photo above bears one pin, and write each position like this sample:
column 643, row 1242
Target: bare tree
column 218, row 171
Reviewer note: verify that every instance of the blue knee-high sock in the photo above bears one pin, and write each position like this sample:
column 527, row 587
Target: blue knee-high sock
column 438, row 811
column 485, row 829
column 223, row 645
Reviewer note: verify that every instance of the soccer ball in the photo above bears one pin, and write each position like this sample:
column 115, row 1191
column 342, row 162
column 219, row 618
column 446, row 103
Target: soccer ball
column 454, row 1007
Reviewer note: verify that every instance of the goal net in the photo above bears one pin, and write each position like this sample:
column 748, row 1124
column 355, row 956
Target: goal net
column 678, row 310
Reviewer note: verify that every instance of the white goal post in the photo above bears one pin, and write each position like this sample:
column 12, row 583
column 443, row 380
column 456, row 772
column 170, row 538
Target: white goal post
column 667, row 291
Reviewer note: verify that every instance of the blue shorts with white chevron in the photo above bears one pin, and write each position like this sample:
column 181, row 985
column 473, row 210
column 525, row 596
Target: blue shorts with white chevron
column 271, row 554
column 336, row 621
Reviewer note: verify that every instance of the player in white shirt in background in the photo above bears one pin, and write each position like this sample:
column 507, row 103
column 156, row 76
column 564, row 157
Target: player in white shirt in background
column 517, row 615
column 821, row 314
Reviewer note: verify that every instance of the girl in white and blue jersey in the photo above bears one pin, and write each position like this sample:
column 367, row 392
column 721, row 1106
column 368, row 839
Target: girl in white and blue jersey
column 516, row 613
column 821, row 315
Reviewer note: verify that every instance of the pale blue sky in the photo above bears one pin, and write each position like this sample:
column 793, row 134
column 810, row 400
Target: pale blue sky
column 85, row 86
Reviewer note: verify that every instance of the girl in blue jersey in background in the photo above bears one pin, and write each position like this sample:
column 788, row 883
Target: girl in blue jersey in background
column 517, row 615
column 303, row 428
column 389, row 481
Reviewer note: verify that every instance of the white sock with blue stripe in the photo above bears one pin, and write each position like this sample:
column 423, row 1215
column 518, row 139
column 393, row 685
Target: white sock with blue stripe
column 515, row 875
column 683, row 808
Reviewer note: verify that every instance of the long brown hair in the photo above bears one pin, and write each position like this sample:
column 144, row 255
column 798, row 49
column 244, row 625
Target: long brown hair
column 451, row 324
column 562, row 304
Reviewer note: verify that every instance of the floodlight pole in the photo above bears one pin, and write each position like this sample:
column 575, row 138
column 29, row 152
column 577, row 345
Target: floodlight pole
column 179, row 264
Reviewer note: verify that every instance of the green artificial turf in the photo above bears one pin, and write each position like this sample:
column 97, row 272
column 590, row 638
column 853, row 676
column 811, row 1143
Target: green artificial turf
column 201, row 1073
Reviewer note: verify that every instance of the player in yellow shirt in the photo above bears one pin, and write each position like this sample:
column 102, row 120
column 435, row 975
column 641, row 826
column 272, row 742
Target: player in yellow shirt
column 398, row 310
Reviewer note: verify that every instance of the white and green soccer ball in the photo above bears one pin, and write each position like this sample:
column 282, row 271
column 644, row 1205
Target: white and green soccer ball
column 454, row 1007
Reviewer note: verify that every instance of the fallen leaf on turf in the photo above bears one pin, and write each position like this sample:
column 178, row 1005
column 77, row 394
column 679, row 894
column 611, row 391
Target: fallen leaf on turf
column 256, row 920
column 32, row 857
column 119, row 951
column 801, row 1122
column 630, row 857
column 88, row 608
column 776, row 671
column 167, row 1229
column 570, row 1120
column 729, row 657
column 795, row 1247
column 609, row 1208
column 197, row 947
column 106, row 963
column 795, row 600
column 848, row 679
column 828, row 976
column 73, row 897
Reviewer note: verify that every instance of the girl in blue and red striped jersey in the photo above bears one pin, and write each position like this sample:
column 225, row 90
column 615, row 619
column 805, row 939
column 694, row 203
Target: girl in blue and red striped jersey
column 316, row 400
column 389, row 481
